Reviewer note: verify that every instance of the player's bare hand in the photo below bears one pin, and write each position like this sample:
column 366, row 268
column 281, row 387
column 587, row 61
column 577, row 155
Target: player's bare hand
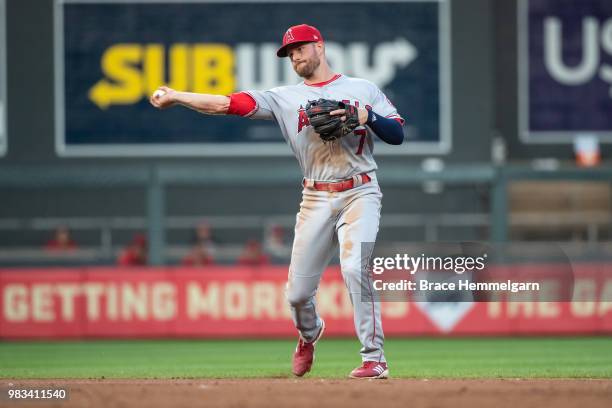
column 363, row 115
column 338, row 112
column 163, row 97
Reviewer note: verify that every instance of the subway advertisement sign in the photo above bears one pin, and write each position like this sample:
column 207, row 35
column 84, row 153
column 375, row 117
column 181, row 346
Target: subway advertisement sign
column 111, row 55
column 565, row 69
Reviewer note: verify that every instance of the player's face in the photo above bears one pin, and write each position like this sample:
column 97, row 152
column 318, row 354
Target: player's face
column 304, row 58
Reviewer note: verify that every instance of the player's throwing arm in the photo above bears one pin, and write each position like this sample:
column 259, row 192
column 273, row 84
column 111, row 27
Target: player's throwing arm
column 165, row 97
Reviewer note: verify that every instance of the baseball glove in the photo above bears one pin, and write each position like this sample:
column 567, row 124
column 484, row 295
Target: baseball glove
column 331, row 127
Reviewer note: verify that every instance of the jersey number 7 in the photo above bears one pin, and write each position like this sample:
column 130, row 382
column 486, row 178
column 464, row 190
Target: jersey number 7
column 362, row 133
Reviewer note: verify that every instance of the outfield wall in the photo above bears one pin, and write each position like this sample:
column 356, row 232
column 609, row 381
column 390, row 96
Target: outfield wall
column 250, row 302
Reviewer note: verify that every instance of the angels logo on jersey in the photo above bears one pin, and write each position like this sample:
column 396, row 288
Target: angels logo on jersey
column 302, row 119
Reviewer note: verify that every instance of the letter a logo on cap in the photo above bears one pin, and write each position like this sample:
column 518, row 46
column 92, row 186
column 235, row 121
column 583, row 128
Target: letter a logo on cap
column 289, row 35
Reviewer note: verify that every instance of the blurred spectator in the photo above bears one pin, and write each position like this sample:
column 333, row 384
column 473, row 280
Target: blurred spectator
column 253, row 254
column 275, row 242
column 203, row 238
column 61, row 241
column 135, row 253
column 198, row 256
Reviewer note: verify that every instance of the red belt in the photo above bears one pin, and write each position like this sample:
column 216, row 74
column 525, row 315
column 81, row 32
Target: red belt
column 337, row 186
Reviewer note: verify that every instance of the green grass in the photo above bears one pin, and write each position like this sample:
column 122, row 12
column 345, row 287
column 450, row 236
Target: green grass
column 409, row 358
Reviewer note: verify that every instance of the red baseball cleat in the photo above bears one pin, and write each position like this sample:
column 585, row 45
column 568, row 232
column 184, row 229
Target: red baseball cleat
column 304, row 354
column 371, row 369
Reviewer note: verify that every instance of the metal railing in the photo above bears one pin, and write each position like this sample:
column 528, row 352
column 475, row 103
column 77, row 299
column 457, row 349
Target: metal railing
column 106, row 227
column 155, row 179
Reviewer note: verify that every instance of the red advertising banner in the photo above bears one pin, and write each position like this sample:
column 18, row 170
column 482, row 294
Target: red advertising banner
column 250, row 302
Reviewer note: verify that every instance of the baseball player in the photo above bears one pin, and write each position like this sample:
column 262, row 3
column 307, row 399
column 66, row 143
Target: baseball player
column 329, row 121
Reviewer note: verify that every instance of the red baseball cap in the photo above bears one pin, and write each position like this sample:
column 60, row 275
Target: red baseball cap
column 302, row 33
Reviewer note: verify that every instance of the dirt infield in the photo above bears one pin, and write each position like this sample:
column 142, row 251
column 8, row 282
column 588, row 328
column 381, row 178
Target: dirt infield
column 294, row 393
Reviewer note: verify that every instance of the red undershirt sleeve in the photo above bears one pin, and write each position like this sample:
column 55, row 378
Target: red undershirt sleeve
column 241, row 104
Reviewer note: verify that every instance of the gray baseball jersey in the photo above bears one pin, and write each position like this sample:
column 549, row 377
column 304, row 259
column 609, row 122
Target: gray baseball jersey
column 327, row 221
column 342, row 159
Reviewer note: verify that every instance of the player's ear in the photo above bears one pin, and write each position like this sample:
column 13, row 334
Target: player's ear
column 320, row 48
